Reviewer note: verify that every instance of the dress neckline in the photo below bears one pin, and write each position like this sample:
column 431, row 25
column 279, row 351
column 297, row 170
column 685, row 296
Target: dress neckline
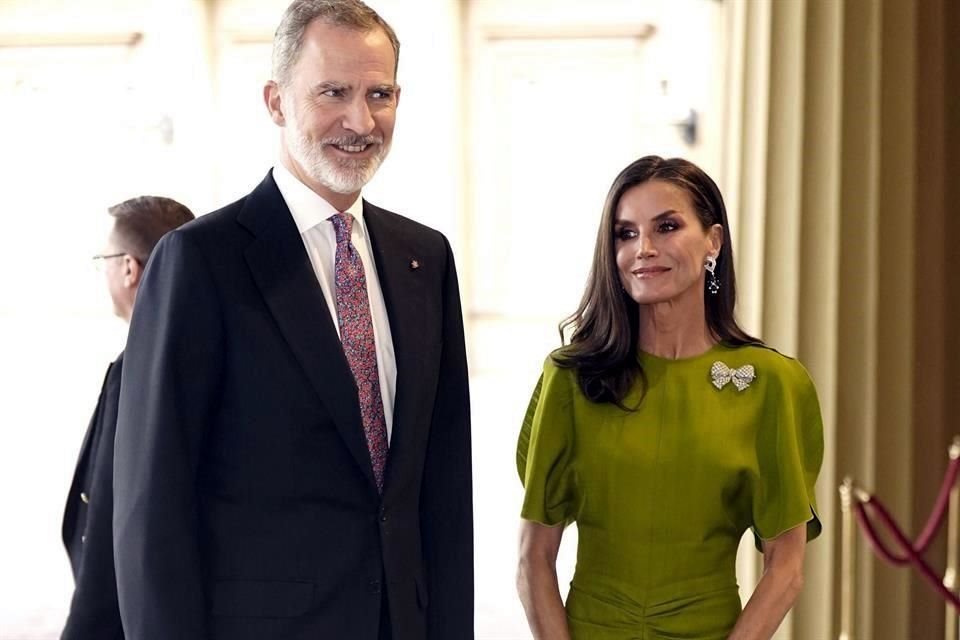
column 712, row 351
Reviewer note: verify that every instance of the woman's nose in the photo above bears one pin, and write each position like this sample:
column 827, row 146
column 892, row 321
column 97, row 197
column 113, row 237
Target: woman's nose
column 645, row 247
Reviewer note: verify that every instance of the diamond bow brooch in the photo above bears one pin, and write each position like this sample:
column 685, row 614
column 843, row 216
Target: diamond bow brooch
column 721, row 374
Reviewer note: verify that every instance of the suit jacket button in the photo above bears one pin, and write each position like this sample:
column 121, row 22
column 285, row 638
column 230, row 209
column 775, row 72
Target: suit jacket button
column 83, row 539
column 84, row 498
column 374, row 586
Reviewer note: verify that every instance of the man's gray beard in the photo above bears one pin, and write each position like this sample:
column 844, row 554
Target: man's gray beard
column 340, row 176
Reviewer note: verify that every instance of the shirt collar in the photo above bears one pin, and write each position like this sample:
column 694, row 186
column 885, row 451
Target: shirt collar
column 308, row 208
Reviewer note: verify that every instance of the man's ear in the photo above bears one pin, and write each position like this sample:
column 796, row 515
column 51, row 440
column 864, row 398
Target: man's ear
column 132, row 272
column 272, row 99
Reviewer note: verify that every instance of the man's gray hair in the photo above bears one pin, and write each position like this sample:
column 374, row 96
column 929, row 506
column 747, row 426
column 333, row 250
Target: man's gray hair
column 352, row 14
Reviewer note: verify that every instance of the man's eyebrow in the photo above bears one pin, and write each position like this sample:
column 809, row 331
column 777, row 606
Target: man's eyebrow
column 384, row 87
column 328, row 85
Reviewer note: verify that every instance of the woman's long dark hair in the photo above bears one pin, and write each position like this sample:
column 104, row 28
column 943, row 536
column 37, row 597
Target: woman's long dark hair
column 604, row 345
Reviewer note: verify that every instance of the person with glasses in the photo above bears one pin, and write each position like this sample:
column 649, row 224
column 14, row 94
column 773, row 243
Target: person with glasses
column 138, row 224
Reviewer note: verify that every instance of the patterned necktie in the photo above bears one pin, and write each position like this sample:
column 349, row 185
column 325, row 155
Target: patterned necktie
column 356, row 335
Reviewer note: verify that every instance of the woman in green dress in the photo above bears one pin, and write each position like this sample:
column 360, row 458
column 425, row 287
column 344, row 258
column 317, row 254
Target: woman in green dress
column 665, row 432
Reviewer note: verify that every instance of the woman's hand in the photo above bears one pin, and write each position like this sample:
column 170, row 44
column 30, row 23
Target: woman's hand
column 537, row 581
column 778, row 588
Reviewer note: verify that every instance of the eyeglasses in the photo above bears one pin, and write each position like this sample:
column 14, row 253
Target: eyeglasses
column 100, row 258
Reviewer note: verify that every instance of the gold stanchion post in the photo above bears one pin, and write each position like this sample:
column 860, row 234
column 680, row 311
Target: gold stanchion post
column 847, row 551
column 950, row 575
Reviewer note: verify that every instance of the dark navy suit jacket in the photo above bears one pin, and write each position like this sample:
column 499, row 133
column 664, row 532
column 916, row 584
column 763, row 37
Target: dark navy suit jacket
column 246, row 506
column 87, row 534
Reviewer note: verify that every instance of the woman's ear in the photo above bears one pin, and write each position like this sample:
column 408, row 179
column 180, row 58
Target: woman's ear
column 715, row 237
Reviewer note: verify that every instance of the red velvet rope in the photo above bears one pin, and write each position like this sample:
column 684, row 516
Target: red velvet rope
column 912, row 556
column 933, row 522
column 911, row 550
column 939, row 508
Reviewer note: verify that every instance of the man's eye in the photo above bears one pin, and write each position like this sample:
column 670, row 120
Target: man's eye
column 381, row 95
column 333, row 93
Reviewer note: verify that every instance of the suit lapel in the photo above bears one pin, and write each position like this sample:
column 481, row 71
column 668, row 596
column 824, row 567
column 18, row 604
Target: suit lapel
column 406, row 294
column 286, row 279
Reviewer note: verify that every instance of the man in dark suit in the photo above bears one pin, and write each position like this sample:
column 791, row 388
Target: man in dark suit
column 138, row 225
column 293, row 447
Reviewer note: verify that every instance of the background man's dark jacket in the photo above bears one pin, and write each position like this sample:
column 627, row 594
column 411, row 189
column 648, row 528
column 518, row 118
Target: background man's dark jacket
column 87, row 534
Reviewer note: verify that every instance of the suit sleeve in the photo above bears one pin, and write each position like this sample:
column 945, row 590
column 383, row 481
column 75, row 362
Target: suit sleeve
column 93, row 609
column 169, row 386
column 446, row 504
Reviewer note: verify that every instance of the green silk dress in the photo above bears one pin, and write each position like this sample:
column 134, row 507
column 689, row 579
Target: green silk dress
column 662, row 496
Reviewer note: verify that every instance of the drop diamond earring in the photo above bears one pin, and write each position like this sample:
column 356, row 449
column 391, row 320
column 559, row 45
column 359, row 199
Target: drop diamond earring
column 713, row 282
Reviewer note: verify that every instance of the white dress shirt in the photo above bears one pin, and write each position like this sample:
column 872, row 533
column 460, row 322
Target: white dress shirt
column 311, row 214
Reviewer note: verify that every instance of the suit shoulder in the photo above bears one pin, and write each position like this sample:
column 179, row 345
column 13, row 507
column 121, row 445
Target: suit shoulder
column 404, row 224
column 213, row 222
column 211, row 233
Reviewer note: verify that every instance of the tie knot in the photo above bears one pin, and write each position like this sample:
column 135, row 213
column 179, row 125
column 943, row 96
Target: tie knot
column 342, row 226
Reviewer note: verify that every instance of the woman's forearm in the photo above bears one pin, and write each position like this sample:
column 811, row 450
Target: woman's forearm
column 774, row 596
column 540, row 596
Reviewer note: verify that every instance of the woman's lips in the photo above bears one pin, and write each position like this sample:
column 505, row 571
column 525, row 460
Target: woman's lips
column 645, row 273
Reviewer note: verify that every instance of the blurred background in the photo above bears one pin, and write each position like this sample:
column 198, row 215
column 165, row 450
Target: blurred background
column 831, row 126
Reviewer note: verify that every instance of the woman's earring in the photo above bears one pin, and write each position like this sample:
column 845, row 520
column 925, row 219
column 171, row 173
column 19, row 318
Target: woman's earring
column 713, row 282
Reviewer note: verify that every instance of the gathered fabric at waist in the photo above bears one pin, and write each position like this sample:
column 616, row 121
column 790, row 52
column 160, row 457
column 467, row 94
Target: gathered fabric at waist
column 703, row 608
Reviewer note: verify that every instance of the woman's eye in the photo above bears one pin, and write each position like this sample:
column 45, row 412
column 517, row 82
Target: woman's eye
column 625, row 234
column 667, row 226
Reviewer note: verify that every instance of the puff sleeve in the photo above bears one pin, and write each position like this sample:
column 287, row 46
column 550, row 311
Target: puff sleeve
column 789, row 446
column 545, row 450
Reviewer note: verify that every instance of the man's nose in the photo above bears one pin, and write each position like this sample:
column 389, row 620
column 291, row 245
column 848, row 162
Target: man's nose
column 358, row 117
